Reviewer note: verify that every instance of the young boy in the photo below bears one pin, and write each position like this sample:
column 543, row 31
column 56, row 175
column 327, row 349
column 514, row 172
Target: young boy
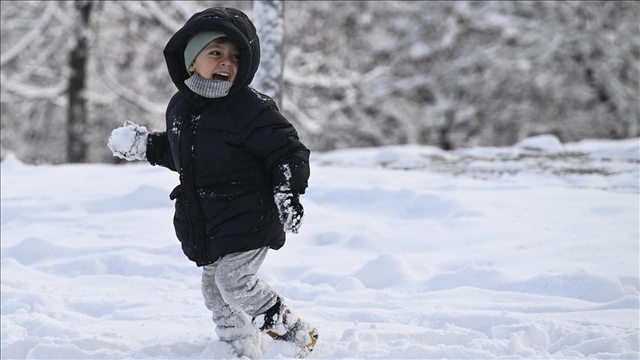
column 242, row 169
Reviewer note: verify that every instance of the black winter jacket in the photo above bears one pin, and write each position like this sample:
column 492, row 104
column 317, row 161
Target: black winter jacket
column 230, row 152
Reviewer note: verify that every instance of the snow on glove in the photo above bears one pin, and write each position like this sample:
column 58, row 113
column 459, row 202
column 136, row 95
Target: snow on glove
column 129, row 142
column 290, row 209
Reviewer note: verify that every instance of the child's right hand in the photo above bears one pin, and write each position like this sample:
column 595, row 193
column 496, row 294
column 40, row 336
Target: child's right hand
column 129, row 142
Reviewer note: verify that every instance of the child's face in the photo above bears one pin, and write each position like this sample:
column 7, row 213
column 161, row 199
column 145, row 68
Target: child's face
column 217, row 61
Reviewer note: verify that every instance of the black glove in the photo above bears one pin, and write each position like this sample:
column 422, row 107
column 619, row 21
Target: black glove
column 290, row 209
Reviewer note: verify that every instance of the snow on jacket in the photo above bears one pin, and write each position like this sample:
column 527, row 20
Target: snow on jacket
column 230, row 152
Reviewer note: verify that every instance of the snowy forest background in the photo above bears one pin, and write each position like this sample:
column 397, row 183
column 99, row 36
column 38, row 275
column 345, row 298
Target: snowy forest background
column 356, row 73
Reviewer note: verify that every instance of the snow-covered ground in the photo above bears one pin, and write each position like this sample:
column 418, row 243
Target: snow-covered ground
column 530, row 251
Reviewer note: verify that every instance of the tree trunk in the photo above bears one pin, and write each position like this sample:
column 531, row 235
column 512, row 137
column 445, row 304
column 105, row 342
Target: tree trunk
column 269, row 21
column 77, row 106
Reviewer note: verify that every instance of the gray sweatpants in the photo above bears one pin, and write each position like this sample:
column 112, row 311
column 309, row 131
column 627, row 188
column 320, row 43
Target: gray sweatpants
column 234, row 294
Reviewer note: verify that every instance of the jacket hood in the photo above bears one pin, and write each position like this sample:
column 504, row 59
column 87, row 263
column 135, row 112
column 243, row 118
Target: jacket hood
column 235, row 25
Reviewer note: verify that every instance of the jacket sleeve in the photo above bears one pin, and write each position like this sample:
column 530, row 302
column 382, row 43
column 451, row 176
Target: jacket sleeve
column 158, row 146
column 159, row 151
column 271, row 137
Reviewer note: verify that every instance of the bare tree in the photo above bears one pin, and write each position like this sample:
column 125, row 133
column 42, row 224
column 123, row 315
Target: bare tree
column 462, row 73
column 358, row 73
column 77, row 105
column 34, row 78
column 268, row 17
column 54, row 108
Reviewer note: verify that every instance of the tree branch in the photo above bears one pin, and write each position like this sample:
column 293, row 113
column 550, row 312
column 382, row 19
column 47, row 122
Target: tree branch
column 128, row 95
column 162, row 16
column 30, row 37
column 308, row 124
column 31, row 92
column 123, row 92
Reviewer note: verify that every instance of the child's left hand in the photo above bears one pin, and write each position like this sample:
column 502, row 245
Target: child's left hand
column 291, row 211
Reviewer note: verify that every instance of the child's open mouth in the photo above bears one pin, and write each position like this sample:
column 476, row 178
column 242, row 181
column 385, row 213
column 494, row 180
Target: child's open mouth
column 220, row 76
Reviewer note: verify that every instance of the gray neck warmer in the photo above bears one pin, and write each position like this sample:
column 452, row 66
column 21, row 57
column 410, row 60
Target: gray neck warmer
column 208, row 88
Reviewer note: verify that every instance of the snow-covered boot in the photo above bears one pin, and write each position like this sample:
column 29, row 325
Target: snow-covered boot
column 282, row 324
column 244, row 340
column 302, row 335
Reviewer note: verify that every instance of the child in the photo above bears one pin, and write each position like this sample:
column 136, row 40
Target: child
column 242, row 168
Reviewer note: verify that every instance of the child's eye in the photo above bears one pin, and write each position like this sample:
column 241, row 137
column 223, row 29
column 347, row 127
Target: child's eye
column 215, row 53
column 236, row 57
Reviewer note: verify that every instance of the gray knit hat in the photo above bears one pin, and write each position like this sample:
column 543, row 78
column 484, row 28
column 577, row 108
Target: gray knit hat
column 197, row 43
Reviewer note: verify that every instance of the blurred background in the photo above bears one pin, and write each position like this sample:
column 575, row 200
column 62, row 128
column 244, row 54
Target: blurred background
column 450, row 74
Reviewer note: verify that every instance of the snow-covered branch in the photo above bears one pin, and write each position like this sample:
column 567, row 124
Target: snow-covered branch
column 185, row 8
column 356, row 73
column 307, row 123
column 131, row 96
column 30, row 37
column 269, row 21
column 31, row 92
column 162, row 17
